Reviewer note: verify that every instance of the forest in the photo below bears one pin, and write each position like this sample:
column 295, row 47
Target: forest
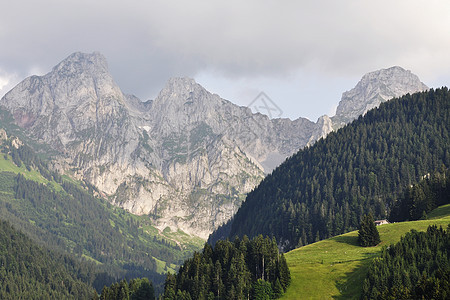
column 417, row 267
column 421, row 198
column 242, row 269
column 323, row 190
column 27, row 271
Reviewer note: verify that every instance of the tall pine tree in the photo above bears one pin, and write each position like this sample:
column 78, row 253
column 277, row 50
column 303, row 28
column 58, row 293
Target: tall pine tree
column 368, row 235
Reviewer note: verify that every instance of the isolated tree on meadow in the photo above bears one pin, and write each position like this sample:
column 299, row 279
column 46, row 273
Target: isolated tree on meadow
column 368, row 235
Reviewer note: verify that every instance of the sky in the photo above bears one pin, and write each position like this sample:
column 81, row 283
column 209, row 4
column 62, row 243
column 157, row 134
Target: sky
column 301, row 54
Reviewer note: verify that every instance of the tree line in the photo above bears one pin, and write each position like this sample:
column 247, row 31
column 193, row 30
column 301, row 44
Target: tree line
column 29, row 271
column 421, row 198
column 417, row 267
column 242, row 269
column 64, row 215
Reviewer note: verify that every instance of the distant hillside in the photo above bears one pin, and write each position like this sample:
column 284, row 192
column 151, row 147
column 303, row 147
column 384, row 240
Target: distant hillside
column 29, row 271
column 323, row 190
column 336, row 268
column 62, row 214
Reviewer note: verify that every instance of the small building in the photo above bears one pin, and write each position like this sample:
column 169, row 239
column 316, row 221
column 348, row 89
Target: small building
column 381, row 222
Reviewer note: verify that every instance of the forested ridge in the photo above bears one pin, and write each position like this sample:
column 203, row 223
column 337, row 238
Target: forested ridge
column 242, row 269
column 28, row 271
column 417, row 267
column 63, row 215
column 323, row 190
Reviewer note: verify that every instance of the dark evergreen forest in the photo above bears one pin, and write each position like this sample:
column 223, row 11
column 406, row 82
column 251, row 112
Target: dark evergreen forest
column 243, row 269
column 417, row 267
column 421, row 198
column 324, row 190
column 28, row 271
column 136, row 289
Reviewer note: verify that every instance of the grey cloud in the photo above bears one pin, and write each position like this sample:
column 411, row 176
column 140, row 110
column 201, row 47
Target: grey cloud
column 147, row 42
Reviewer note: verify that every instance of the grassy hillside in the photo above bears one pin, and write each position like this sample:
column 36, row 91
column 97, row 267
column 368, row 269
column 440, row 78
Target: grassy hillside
column 336, row 267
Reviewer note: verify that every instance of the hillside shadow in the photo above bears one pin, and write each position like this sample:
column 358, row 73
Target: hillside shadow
column 350, row 286
column 347, row 239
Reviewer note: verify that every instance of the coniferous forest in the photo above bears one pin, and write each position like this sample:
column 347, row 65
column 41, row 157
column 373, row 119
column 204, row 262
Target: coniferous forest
column 27, row 271
column 417, row 267
column 421, row 198
column 324, row 190
column 242, row 269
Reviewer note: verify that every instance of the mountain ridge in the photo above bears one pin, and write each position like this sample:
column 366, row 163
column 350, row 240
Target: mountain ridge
column 186, row 158
column 323, row 190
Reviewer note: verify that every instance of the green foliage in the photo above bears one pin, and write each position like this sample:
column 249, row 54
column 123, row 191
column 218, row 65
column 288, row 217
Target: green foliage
column 262, row 290
column 64, row 215
column 419, row 199
column 335, row 268
column 417, row 267
column 368, row 235
column 136, row 289
column 324, row 190
column 241, row 269
column 28, row 271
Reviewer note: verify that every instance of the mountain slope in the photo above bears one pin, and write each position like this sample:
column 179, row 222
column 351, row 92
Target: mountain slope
column 336, row 267
column 29, row 271
column 61, row 213
column 324, row 189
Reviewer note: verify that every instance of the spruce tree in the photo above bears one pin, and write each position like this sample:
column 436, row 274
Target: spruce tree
column 368, row 235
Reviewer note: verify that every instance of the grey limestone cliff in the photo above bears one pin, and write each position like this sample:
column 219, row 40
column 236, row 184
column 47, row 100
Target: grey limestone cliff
column 373, row 89
column 186, row 158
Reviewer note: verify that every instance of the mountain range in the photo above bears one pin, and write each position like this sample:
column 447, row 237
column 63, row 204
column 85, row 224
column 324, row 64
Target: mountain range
column 187, row 158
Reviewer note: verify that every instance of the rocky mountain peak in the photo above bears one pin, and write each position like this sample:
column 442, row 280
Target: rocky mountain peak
column 374, row 88
column 79, row 62
column 178, row 87
column 186, row 158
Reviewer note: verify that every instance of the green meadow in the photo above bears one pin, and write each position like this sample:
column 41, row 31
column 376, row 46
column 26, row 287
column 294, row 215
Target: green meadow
column 335, row 268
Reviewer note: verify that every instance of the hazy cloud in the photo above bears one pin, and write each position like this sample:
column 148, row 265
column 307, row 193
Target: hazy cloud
column 146, row 42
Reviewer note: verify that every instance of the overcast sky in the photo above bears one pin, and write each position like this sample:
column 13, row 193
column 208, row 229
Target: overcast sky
column 302, row 54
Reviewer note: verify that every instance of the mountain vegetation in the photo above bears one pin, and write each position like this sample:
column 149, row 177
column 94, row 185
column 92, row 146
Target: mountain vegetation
column 417, row 267
column 242, row 269
column 368, row 235
column 136, row 289
column 335, row 268
column 62, row 214
column 421, row 198
column 29, row 271
column 325, row 189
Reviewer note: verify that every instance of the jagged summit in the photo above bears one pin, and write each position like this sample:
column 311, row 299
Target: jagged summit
column 374, row 88
column 180, row 89
column 188, row 157
column 82, row 62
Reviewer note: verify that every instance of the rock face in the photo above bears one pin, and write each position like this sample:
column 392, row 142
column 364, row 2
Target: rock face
column 188, row 157
column 373, row 89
